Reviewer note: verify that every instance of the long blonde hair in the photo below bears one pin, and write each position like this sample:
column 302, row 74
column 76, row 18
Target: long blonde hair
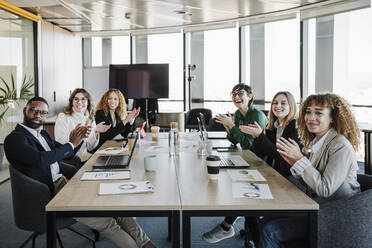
column 292, row 110
column 103, row 103
column 343, row 118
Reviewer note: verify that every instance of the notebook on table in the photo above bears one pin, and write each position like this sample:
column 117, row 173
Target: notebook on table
column 114, row 162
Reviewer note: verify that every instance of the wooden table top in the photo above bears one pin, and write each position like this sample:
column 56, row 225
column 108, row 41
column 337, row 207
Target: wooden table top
column 180, row 182
column 199, row 193
column 83, row 195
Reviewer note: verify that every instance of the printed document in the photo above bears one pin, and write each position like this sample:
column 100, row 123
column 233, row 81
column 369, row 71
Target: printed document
column 245, row 175
column 125, row 188
column 112, row 150
column 251, row 191
column 105, row 175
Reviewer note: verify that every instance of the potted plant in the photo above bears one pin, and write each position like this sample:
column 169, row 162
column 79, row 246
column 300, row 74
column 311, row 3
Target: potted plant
column 8, row 100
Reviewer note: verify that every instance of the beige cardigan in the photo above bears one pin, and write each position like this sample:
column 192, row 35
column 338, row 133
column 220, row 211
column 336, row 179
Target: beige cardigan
column 333, row 175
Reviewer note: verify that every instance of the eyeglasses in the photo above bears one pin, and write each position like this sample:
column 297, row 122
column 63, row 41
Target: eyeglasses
column 240, row 94
column 36, row 111
column 76, row 99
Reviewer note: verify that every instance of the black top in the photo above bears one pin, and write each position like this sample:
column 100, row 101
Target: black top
column 124, row 130
column 26, row 154
column 264, row 146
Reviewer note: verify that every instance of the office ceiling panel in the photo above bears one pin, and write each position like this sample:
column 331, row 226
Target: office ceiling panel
column 103, row 15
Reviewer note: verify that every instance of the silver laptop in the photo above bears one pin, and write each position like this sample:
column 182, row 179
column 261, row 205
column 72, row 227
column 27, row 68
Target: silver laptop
column 114, row 162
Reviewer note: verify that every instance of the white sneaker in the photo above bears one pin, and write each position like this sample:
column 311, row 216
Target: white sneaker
column 217, row 234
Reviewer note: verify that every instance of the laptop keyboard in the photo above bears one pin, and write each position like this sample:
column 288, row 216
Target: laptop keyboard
column 226, row 162
column 117, row 160
column 235, row 162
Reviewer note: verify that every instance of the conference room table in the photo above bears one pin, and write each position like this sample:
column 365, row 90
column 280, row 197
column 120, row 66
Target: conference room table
column 181, row 185
column 80, row 198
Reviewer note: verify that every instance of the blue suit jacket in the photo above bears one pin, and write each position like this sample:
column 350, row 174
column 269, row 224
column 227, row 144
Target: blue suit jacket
column 25, row 153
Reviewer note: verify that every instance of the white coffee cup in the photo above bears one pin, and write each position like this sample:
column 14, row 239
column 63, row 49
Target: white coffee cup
column 213, row 166
column 150, row 162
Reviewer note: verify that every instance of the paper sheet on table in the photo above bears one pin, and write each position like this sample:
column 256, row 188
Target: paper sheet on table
column 105, row 175
column 157, row 149
column 125, row 188
column 245, row 175
column 251, row 191
column 112, row 150
column 118, row 137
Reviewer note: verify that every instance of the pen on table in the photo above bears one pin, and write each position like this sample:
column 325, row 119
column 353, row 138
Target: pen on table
column 255, row 186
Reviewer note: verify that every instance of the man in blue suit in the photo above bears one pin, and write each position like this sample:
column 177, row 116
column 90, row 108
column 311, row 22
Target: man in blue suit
column 33, row 152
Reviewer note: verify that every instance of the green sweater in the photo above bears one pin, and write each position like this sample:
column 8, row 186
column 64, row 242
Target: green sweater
column 237, row 136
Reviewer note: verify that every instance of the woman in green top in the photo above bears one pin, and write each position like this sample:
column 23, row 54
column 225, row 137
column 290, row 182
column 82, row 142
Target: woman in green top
column 242, row 97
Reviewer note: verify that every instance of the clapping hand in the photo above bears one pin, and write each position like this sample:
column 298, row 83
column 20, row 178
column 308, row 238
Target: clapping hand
column 289, row 150
column 135, row 112
column 226, row 120
column 101, row 127
column 79, row 133
column 252, row 129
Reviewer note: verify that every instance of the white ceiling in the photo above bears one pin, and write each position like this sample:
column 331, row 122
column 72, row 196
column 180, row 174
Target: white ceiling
column 125, row 15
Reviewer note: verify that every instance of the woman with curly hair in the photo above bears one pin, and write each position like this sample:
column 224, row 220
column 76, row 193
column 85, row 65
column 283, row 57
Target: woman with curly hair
column 79, row 110
column 328, row 129
column 112, row 110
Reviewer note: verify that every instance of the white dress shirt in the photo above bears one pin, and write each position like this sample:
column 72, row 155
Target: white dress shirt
column 315, row 146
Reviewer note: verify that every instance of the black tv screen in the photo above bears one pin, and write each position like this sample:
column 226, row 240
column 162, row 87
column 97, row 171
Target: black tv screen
column 141, row 80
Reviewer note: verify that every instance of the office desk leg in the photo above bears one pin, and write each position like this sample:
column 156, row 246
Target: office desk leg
column 186, row 230
column 313, row 228
column 175, row 226
column 51, row 230
column 170, row 221
column 367, row 153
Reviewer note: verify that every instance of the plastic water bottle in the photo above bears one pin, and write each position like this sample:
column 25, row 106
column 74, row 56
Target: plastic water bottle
column 171, row 142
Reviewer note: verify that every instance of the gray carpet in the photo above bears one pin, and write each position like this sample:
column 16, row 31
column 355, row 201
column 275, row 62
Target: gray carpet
column 156, row 229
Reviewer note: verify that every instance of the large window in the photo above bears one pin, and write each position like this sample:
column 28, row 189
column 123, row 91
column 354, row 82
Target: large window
column 282, row 58
column 221, row 63
column 120, row 50
column 96, row 51
column 168, row 48
column 352, row 71
column 221, row 68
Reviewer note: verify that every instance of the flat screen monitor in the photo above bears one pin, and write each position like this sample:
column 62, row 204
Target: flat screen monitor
column 141, row 80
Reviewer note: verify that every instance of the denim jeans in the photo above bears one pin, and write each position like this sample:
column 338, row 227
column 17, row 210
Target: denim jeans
column 274, row 231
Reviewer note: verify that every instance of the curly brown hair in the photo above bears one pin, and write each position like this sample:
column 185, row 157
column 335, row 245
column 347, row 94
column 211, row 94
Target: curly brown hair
column 343, row 118
column 122, row 107
column 68, row 108
column 292, row 110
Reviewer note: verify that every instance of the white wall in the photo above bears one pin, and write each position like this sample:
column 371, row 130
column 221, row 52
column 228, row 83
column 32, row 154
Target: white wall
column 60, row 64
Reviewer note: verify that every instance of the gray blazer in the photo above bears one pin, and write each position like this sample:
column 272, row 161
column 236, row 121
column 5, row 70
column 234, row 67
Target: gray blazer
column 333, row 175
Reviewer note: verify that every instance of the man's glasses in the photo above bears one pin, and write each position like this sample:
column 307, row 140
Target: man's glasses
column 239, row 94
column 76, row 99
column 36, row 111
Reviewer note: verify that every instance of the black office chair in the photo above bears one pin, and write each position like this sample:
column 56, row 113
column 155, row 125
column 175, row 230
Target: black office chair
column 345, row 222
column 29, row 200
column 215, row 126
column 191, row 121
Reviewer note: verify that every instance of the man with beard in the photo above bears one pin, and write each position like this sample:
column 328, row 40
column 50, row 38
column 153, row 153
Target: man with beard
column 33, row 152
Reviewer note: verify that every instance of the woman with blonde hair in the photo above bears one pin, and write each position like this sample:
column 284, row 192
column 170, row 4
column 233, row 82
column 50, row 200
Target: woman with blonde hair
column 282, row 123
column 328, row 129
column 112, row 110
column 79, row 110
